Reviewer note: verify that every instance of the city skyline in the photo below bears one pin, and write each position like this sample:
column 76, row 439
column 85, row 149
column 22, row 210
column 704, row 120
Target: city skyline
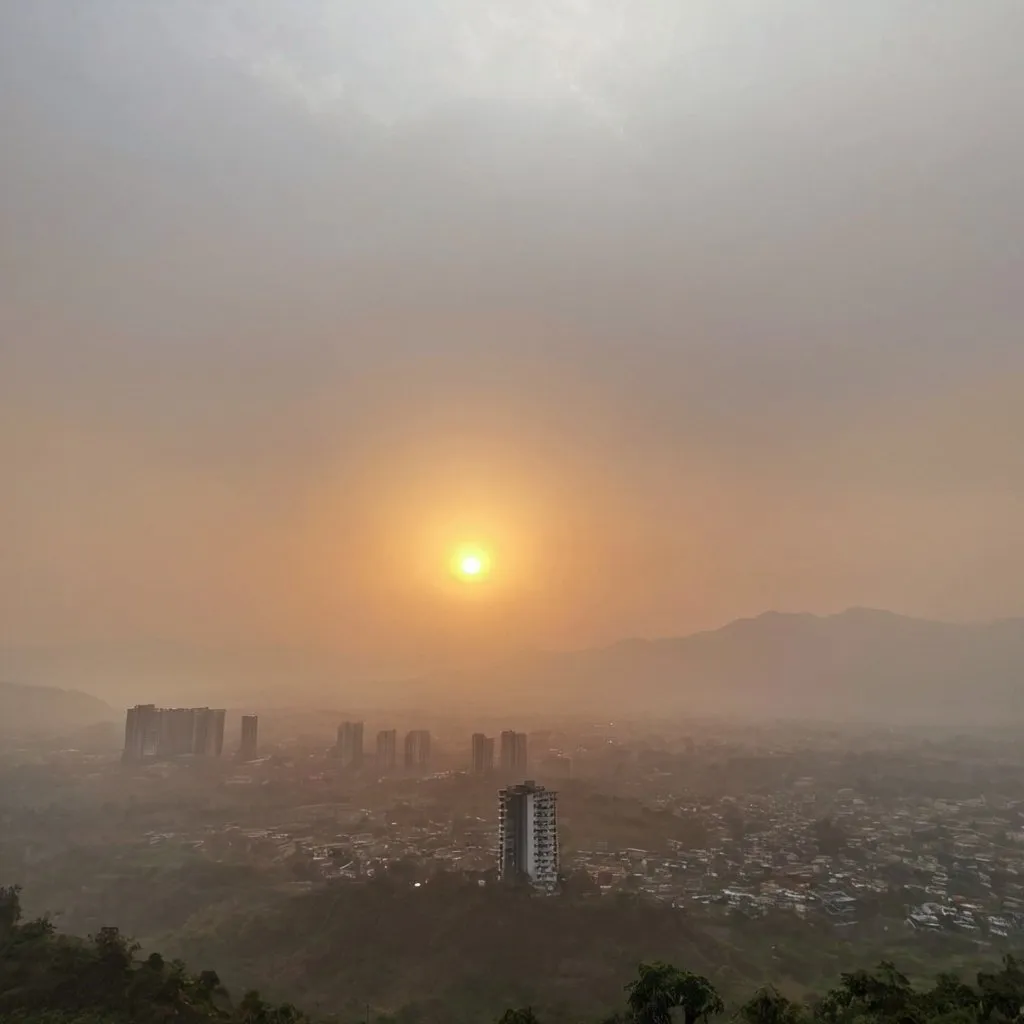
column 154, row 732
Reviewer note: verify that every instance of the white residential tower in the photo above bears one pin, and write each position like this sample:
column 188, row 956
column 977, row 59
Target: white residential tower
column 528, row 834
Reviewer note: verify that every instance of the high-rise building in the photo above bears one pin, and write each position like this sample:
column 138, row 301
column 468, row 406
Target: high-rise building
column 141, row 732
column 528, row 834
column 177, row 732
column 150, row 731
column 514, row 751
column 483, row 754
column 250, row 732
column 350, row 744
column 215, row 733
column 417, row 749
column 387, row 750
column 208, row 731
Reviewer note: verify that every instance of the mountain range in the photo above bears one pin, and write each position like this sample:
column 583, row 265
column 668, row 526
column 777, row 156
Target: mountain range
column 861, row 663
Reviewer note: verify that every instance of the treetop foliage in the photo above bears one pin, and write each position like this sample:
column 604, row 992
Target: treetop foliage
column 49, row 978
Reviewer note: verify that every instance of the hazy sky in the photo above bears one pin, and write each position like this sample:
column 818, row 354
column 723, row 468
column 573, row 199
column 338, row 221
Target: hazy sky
column 685, row 309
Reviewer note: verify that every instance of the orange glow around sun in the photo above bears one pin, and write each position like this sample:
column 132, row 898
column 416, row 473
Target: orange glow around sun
column 471, row 564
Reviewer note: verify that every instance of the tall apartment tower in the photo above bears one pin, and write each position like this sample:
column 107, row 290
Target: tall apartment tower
column 208, row 731
column 528, row 834
column 250, row 732
column 141, row 732
column 483, row 754
column 387, row 750
column 417, row 749
column 514, row 752
column 350, row 744
column 177, row 732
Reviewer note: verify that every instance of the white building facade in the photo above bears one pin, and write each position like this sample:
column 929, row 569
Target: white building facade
column 528, row 834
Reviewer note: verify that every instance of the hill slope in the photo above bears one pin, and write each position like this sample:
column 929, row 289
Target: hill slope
column 861, row 663
column 47, row 710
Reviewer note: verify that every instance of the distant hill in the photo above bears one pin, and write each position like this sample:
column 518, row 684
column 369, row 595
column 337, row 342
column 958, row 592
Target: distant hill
column 47, row 710
column 861, row 663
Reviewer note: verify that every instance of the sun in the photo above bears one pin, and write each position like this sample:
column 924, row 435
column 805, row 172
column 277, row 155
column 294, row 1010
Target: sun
column 471, row 564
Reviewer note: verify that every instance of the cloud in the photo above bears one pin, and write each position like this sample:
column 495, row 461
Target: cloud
column 398, row 61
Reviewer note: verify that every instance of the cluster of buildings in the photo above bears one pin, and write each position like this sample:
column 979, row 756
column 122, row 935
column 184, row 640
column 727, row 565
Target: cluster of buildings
column 808, row 846
column 513, row 754
column 155, row 732
column 826, row 834
column 523, row 849
column 941, row 866
column 350, row 752
column 512, row 751
column 527, row 839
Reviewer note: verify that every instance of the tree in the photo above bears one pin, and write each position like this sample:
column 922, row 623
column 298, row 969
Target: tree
column 252, row 1009
column 577, row 884
column 524, row 1015
column 208, row 989
column 10, row 908
column 1002, row 992
column 769, row 1006
column 660, row 988
column 950, row 996
column 882, row 994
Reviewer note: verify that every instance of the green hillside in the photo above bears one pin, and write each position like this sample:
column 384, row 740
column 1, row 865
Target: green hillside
column 49, row 978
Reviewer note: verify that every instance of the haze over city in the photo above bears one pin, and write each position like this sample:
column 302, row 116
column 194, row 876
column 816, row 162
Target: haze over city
column 671, row 313
column 511, row 512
